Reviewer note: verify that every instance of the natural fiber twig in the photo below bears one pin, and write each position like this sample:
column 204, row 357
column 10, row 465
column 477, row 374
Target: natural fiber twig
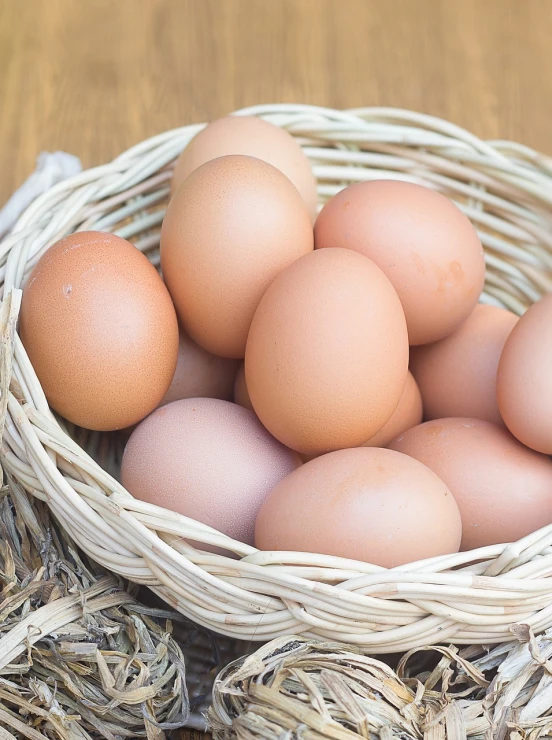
column 295, row 688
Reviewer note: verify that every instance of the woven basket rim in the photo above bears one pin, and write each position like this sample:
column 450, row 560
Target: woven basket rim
column 469, row 597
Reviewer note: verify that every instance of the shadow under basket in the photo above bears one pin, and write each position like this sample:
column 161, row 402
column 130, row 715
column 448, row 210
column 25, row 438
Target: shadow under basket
column 466, row 598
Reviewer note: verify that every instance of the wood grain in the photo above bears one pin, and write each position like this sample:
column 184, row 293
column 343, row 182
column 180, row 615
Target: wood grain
column 95, row 77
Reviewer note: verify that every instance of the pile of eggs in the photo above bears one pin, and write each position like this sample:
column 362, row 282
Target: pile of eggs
column 325, row 384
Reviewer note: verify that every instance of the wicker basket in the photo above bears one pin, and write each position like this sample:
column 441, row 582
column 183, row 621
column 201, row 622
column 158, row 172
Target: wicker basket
column 470, row 597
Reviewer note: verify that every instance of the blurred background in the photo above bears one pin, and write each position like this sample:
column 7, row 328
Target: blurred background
column 93, row 78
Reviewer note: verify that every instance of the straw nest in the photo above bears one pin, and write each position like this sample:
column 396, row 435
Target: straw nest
column 296, row 688
column 80, row 657
column 467, row 598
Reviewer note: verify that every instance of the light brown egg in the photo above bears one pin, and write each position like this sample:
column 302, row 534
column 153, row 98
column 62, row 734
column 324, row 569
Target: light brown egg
column 199, row 374
column 100, row 329
column 256, row 138
column 207, row 459
column 457, row 375
column 524, row 380
column 425, row 245
column 327, row 353
column 231, row 227
column 241, row 396
column 367, row 504
column 503, row 489
column 407, row 414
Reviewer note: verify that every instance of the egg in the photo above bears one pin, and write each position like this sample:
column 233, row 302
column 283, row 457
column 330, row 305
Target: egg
column 231, row 227
column 100, row 330
column 407, row 414
column 327, row 352
column 254, row 137
column 207, row 459
column 241, row 395
column 368, row 504
column 425, row 245
column 524, row 379
column 457, row 374
column 503, row 489
column 199, row 374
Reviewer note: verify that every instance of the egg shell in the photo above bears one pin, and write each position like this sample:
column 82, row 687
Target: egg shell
column 327, row 353
column 457, row 375
column 524, row 379
column 503, row 489
column 368, row 504
column 253, row 137
column 100, row 329
column 407, row 414
column 199, row 374
column 231, row 227
column 425, row 245
column 207, row 459
column 241, row 394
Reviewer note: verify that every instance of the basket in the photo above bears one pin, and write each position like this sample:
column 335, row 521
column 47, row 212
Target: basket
column 465, row 598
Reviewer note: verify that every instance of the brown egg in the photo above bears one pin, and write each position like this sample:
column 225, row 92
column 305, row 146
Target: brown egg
column 367, row 504
column 407, row 414
column 425, row 245
column 524, row 380
column 231, row 227
column 199, row 374
column 457, row 375
column 241, row 396
column 503, row 489
column 207, row 459
column 327, row 353
column 100, row 330
column 256, row 138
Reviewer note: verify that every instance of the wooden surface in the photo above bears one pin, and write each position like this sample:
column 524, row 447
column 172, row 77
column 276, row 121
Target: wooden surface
column 96, row 77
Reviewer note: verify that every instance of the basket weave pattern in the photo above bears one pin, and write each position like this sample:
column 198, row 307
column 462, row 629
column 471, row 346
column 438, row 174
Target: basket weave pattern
column 471, row 597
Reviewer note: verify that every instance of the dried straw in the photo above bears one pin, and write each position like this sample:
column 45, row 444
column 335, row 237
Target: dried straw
column 296, row 688
column 79, row 656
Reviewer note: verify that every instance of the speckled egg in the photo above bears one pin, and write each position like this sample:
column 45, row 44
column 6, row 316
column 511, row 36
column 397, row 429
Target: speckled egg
column 254, row 137
column 207, row 459
column 367, row 504
column 424, row 244
column 327, row 353
column 230, row 228
column 100, row 329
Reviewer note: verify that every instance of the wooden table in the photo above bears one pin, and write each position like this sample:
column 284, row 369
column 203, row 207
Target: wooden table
column 95, row 77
